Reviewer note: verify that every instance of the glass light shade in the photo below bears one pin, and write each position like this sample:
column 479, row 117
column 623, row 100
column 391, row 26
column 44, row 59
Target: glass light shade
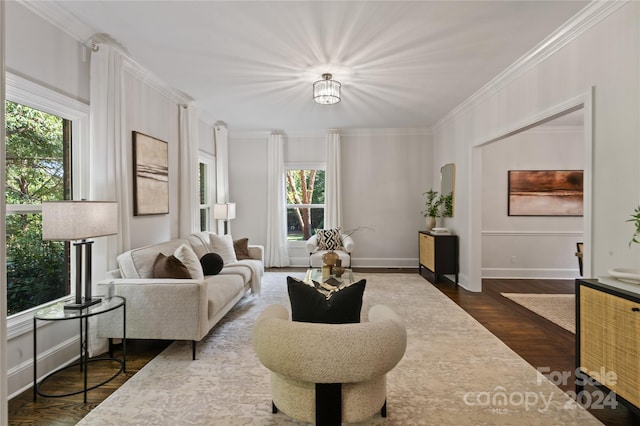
column 225, row 211
column 78, row 220
column 327, row 91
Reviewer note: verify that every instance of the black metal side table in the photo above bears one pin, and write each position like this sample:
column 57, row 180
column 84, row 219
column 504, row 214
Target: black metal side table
column 56, row 312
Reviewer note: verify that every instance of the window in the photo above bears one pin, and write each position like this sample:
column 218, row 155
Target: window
column 38, row 168
column 305, row 202
column 46, row 149
column 206, row 183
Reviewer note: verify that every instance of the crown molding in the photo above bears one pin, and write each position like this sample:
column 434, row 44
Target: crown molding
column 588, row 17
column 154, row 82
column 53, row 12
column 311, row 134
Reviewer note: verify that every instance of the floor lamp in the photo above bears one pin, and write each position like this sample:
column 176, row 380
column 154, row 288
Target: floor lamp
column 77, row 221
column 226, row 212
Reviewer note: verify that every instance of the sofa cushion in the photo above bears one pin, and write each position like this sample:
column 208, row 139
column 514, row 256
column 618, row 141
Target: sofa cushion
column 211, row 264
column 329, row 239
column 309, row 305
column 185, row 254
column 138, row 263
column 244, row 271
column 223, row 245
column 169, row 267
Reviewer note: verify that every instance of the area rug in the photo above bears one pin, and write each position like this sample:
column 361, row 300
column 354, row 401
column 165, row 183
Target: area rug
column 557, row 308
column 454, row 372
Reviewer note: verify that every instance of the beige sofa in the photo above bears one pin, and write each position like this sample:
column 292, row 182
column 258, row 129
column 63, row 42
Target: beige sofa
column 176, row 309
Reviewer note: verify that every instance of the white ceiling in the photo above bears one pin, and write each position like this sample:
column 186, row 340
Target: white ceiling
column 252, row 64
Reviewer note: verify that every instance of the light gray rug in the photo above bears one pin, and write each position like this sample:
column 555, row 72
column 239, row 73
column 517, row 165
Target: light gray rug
column 557, row 308
column 454, row 372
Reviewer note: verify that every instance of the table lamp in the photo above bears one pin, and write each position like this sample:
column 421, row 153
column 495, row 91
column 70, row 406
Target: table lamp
column 77, row 221
column 224, row 211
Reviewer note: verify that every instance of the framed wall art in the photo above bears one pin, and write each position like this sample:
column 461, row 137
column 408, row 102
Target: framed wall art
column 151, row 175
column 545, row 193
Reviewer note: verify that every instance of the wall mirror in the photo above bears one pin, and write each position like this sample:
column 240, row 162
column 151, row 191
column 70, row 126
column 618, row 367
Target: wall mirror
column 448, row 183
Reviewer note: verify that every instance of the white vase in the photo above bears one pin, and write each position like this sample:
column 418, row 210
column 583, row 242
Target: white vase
column 431, row 222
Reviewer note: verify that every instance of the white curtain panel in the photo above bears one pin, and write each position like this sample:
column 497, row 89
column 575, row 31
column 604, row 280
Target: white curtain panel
column 332, row 185
column 110, row 152
column 221, row 136
column 189, row 203
column 109, row 155
column 276, row 254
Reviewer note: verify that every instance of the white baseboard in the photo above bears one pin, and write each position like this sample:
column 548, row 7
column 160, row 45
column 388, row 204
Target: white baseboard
column 532, row 273
column 359, row 262
column 20, row 377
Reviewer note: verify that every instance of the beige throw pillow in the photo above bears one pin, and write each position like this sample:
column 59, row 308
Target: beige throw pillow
column 223, row 245
column 187, row 256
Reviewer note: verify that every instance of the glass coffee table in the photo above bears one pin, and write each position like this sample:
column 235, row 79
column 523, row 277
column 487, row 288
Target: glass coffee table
column 328, row 284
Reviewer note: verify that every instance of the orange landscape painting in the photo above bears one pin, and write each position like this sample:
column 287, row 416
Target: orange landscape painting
column 545, row 193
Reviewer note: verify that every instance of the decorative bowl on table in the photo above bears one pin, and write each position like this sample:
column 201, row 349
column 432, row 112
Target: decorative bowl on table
column 627, row 275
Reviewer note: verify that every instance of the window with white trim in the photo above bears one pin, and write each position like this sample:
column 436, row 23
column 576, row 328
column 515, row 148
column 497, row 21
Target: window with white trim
column 206, row 185
column 305, row 201
column 41, row 126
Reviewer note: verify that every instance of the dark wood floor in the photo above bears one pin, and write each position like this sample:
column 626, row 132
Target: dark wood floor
column 540, row 342
column 69, row 410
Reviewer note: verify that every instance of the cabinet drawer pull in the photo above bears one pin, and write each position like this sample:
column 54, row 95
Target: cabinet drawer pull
column 635, row 309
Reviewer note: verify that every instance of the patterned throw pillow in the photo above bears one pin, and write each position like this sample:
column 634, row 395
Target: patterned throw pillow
column 329, row 239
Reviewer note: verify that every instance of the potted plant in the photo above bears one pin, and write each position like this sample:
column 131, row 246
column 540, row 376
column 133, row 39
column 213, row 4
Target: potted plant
column 630, row 275
column 635, row 218
column 432, row 204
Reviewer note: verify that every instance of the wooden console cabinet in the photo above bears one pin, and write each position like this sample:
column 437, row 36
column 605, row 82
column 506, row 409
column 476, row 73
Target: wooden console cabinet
column 438, row 255
column 608, row 338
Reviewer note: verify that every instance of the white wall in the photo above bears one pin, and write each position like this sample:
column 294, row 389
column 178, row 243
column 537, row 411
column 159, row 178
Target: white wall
column 526, row 246
column 384, row 173
column 152, row 113
column 605, row 56
column 42, row 53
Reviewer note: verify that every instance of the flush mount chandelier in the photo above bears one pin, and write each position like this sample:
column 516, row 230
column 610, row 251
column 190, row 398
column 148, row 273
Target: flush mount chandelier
column 326, row 91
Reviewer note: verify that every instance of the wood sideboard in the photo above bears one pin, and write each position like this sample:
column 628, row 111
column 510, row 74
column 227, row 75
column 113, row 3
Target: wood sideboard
column 438, row 255
column 608, row 339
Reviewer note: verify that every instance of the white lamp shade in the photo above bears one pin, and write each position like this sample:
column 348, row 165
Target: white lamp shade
column 226, row 211
column 78, row 220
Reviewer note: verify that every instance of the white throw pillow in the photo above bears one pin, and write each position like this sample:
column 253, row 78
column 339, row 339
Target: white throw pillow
column 187, row 256
column 223, row 245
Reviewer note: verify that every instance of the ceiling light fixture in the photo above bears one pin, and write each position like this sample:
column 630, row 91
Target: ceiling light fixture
column 326, row 91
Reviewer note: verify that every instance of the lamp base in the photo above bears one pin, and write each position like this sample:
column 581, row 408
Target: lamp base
column 85, row 304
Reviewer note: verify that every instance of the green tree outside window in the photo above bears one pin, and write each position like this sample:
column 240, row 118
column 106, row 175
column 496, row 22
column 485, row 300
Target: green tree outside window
column 37, row 169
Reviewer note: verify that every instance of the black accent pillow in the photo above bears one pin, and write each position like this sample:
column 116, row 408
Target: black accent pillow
column 212, row 263
column 309, row 305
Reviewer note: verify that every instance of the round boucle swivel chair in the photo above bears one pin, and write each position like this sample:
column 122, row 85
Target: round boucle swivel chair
column 329, row 373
